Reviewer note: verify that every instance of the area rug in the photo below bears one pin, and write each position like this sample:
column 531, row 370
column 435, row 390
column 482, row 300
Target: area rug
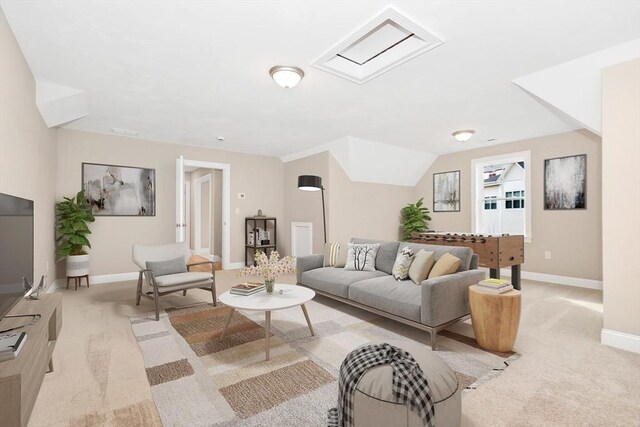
column 197, row 379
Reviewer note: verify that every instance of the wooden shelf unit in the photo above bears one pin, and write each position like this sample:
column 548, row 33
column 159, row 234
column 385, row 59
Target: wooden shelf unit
column 21, row 378
column 267, row 223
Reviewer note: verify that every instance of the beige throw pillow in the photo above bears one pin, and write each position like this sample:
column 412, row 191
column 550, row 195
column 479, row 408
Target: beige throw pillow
column 421, row 266
column 447, row 264
column 335, row 255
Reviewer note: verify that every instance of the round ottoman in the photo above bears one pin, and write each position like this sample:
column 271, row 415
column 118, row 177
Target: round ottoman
column 374, row 404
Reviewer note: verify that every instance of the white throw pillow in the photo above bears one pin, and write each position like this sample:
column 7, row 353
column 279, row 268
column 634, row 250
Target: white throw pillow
column 403, row 262
column 362, row 257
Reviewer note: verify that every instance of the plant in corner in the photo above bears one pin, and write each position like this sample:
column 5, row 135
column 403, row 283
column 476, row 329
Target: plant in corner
column 414, row 218
column 72, row 216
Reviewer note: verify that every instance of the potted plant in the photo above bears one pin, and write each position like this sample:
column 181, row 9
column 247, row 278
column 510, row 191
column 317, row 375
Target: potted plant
column 414, row 219
column 72, row 216
column 269, row 268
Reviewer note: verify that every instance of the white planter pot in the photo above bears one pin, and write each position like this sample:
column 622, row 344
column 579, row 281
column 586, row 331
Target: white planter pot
column 77, row 265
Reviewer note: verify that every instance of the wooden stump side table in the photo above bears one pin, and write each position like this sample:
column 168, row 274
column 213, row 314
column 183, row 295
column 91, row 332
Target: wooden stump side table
column 495, row 318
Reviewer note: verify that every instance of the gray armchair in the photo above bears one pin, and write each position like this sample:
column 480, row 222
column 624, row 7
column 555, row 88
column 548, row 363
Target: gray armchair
column 159, row 285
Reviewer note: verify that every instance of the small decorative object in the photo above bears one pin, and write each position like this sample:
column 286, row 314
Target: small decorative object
column 415, row 219
column 269, row 268
column 565, row 182
column 259, row 212
column 446, row 191
column 119, row 190
column 72, row 216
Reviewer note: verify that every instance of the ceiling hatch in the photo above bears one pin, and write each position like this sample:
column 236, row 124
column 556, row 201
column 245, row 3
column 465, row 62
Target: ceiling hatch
column 385, row 42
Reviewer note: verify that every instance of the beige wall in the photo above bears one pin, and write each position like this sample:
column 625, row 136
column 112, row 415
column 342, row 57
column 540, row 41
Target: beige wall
column 360, row 209
column 305, row 206
column 621, row 197
column 113, row 237
column 27, row 148
column 574, row 237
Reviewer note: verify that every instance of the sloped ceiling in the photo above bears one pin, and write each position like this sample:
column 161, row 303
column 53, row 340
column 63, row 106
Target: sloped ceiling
column 188, row 71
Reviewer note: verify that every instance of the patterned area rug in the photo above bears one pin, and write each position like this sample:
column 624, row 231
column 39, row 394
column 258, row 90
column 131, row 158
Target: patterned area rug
column 199, row 380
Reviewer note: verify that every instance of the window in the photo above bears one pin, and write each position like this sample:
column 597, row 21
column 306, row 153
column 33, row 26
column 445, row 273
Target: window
column 490, row 202
column 500, row 186
column 514, row 199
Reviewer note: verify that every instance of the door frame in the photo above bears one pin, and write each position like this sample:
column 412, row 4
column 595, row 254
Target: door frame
column 226, row 204
column 198, row 247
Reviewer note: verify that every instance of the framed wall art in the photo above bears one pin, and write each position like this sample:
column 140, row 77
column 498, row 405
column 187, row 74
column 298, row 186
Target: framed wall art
column 446, row 191
column 565, row 183
column 119, row 190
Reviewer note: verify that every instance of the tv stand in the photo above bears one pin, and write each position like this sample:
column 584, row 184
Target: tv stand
column 21, row 378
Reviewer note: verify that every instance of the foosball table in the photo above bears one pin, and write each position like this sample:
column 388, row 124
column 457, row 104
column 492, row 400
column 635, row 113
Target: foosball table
column 494, row 251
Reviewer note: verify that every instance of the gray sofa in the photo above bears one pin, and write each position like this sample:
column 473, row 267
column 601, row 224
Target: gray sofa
column 434, row 305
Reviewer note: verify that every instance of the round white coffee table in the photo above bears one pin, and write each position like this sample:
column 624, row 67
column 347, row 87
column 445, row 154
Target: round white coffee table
column 291, row 296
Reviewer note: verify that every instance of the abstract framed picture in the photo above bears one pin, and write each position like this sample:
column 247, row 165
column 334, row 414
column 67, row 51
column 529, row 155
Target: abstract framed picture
column 119, row 190
column 565, row 183
column 446, row 191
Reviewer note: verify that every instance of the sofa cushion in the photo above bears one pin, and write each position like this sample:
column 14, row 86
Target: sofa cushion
column 169, row 266
column 336, row 281
column 385, row 293
column 362, row 257
column 335, row 255
column 464, row 254
column 402, row 264
column 386, row 255
column 182, row 278
column 421, row 265
column 447, row 264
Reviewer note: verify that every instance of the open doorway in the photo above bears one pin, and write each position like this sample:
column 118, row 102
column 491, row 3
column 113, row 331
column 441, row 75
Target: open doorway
column 203, row 211
column 202, row 208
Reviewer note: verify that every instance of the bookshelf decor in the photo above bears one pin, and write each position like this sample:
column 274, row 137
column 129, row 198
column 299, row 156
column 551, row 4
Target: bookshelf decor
column 260, row 235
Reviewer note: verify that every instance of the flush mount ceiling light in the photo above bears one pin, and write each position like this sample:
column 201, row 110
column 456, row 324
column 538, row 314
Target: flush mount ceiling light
column 286, row 76
column 463, row 135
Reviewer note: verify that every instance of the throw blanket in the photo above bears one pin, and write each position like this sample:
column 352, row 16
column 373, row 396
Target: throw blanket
column 409, row 384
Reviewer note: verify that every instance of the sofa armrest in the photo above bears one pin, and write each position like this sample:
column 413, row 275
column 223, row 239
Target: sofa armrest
column 446, row 298
column 306, row 263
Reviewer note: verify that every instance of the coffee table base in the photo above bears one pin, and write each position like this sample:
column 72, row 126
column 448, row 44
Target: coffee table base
column 267, row 326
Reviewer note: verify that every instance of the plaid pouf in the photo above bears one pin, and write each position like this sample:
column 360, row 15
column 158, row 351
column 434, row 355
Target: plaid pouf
column 409, row 384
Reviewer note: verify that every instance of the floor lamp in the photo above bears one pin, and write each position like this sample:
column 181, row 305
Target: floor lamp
column 314, row 183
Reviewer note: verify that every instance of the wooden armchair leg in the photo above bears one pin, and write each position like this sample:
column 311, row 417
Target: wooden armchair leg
column 213, row 293
column 139, row 290
column 184, row 293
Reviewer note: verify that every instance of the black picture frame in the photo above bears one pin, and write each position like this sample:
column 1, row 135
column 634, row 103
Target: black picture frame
column 562, row 199
column 123, row 179
column 442, row 199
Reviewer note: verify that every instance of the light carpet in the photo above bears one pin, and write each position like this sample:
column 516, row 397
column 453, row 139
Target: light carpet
column 198, row 379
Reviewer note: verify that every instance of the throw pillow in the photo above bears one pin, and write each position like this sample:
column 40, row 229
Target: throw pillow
column 403, row 262
column 421, row 266
column 362, row 257
column 331, row 251
column 447, row 264
column 171, row 266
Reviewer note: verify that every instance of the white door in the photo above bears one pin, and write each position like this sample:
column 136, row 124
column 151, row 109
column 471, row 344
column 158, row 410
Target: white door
column 301, row 239
column 202, row 216
column 181, row 223
column 187, row 212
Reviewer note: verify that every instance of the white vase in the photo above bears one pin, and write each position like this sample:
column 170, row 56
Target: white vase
column 77, row 265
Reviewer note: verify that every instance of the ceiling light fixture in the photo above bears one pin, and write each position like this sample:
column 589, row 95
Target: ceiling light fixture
column 463, row 135
column 286, row 76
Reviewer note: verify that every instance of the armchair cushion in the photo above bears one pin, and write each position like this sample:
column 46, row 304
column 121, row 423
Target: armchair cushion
column 182, row 279
column 171, row 266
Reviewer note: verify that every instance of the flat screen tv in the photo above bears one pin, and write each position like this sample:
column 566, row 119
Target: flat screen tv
column 16, row 249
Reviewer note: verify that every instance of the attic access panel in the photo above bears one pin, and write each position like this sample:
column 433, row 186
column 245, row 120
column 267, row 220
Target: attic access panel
column 385, row 42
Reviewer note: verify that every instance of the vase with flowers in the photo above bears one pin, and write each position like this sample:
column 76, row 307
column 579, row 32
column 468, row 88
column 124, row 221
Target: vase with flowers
column 269, row 268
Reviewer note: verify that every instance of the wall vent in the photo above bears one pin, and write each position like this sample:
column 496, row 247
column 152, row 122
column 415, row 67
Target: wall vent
column 382, row 44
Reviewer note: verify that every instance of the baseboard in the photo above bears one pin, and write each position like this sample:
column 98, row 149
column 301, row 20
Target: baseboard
column 552, row 278
column 620, row 340
column 233, row 265
column 96, row 280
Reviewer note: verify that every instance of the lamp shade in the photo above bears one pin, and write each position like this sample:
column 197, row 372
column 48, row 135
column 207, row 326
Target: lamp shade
column 309, row 183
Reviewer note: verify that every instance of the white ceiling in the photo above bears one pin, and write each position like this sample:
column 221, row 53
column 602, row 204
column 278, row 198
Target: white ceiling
column 186, row 72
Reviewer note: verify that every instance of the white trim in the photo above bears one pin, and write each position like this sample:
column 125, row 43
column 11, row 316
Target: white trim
column 294, row 227
column 180, row 232
column 197, row 232
column 477, row 186
column 234, row 265
column 226, row 207
column 620, row 340
column 96, row 280
column 187, row 212
column 552, row 278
